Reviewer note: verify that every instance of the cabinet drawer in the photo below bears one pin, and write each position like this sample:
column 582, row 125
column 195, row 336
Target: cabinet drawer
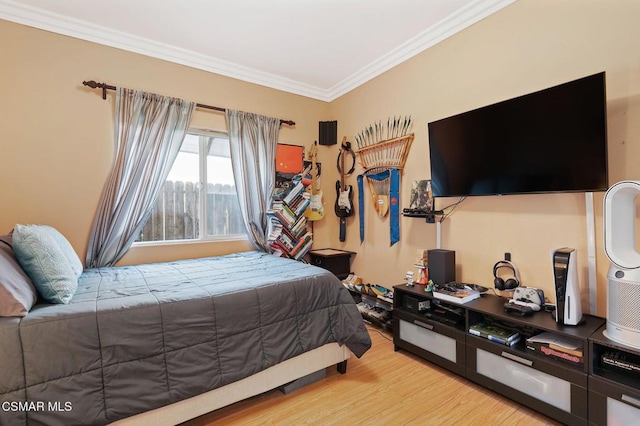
column 513, row 371
column 611, row 403
column 422, row 338
column 523, row 378
column 421, row 334
column 549, row 366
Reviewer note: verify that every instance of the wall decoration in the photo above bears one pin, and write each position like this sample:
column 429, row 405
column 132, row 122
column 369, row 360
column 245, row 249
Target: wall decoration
column 421, row 196
column 383, row 151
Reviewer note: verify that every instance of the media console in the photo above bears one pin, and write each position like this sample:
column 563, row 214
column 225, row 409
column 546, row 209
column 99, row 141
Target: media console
column 439, row 332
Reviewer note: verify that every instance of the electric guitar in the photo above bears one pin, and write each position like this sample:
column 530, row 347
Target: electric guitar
column 344, row 193
column 315, row 211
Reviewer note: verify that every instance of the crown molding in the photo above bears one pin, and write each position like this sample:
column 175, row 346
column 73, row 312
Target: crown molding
column 45, row 20
column 456, row 22
column 42, row 19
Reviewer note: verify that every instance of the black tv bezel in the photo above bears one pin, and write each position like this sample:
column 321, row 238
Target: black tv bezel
column 602, row 75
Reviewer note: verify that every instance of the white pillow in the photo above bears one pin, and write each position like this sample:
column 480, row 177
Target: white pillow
column 17, row 293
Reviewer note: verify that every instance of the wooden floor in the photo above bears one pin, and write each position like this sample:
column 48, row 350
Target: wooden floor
column 382, row 388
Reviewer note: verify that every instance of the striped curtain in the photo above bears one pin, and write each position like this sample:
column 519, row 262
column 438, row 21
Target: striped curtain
column 149, row 130
column 253, row 140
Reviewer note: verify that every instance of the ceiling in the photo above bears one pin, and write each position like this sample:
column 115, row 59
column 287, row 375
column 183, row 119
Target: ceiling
column 321, row 49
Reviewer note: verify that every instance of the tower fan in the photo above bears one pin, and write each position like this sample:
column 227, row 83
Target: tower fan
column 623, row 292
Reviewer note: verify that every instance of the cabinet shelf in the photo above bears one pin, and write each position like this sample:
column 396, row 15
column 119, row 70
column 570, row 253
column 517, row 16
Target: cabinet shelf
column 376, row 310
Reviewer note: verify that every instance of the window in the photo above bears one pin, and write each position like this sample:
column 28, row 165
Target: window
column 199, row 200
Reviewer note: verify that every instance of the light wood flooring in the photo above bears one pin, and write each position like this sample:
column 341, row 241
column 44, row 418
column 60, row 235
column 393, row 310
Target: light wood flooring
column 382, row 388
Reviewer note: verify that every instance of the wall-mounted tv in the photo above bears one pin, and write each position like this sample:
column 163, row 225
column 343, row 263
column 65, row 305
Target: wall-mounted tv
column 554, row 140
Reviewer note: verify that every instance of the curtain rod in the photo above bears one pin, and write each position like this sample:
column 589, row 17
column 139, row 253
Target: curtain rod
column 94, row 85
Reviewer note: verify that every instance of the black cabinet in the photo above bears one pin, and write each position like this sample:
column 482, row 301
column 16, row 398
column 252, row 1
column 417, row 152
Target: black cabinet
column 557, row 386
column 429, row 328
column 614, row 382
column 336, row 261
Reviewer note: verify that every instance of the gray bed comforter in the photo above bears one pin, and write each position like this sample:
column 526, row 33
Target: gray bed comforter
column 136, row 338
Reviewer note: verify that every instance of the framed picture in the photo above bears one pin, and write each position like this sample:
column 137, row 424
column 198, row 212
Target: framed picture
column 421, row 196
column 289, row 159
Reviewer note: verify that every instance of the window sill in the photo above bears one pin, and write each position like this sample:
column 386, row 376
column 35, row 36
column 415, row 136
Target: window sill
column 239, row 237
column 165, row 251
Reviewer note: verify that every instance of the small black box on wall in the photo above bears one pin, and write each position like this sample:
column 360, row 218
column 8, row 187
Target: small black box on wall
column 328, row 132
column 442, row 266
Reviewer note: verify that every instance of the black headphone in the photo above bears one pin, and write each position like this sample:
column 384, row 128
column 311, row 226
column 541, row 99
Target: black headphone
column 509, row 283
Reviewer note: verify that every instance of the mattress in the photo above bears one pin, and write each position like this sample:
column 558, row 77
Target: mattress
column 135, row 338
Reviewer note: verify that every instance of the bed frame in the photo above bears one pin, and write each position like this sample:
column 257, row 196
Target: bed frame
column 271, row 378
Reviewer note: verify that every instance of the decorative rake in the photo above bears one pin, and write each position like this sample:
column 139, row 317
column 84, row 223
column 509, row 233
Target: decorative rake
column 381, row 148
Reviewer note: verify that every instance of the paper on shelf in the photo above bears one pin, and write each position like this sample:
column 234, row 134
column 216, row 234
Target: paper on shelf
column 552, row 338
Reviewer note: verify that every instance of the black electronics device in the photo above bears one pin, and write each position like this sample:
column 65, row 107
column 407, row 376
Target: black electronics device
column 327, row 132
column 518, row 309
column 414, row 305
column 442, row 266
column 415, row 212
column 445, row 314
column 553, row 140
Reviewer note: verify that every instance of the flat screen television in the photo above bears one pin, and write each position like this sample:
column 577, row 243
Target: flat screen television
column 554, row 140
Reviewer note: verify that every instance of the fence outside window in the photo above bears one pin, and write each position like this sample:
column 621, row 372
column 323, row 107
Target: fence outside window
column 176, row 215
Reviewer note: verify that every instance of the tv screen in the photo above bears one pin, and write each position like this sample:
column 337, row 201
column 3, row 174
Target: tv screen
column 554, row 140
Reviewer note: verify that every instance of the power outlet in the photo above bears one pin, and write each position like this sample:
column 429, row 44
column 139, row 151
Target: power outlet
column 424, row 305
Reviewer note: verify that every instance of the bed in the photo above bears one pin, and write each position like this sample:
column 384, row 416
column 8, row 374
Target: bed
column 165, row 342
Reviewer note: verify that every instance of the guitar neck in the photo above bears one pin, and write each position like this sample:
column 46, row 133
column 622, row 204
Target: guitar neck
column 344, row 139
column 314, row 170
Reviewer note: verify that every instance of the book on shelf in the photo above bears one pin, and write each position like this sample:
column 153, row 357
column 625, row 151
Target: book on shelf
column 287, row 226
column 303, row 247
column 277, row 252
column 301, row 203
column 301, row 244
column 495, row 333
column 621, row 362
column 458, row 296
column 283, row 213
column 295, row 192
column 556, row 346
column 299, row 227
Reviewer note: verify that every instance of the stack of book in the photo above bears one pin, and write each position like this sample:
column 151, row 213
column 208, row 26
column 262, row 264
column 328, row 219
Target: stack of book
column 456, row 295
column 288, row 235
column 495, row 333
column 557, row 347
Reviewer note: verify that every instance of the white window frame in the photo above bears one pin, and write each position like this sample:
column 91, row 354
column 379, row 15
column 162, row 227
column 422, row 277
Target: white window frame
column 202, row 189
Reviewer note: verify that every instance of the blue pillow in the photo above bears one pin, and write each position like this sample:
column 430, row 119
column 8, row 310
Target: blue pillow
column 45, row 262
column 67, row 249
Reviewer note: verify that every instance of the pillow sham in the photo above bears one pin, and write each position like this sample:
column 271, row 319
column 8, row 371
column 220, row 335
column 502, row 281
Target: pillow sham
column 67, row 249
column 45, row 262
column 17, row 293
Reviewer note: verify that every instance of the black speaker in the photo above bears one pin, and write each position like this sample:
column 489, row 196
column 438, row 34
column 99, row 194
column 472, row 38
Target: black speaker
column 328, row 132
column 442, row 266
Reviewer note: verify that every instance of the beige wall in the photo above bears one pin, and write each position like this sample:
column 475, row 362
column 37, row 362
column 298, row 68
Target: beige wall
column 530, row 45
column 57, row 141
